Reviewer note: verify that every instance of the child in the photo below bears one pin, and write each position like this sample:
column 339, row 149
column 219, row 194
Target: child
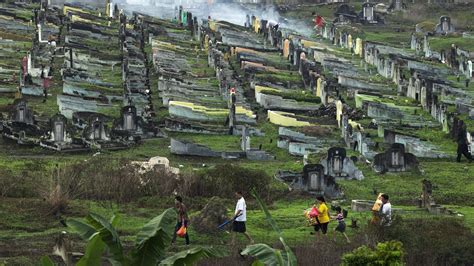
column 341, row 226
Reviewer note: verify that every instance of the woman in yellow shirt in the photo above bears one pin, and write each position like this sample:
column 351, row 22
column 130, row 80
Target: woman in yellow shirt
column 323, row 216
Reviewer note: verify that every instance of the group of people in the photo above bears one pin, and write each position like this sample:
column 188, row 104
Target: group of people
column 320, row 216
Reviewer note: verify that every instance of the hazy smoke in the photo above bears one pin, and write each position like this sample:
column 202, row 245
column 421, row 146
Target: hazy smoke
column 231, row 12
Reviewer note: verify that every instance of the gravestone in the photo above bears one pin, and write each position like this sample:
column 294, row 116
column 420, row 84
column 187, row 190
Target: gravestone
column 58, row 128
column 245, row 141
column 444, row 26
column 22, row 114
column 426, row 194
column 96, row 130
column 129, row 118
column 313, row 177
column 368, row 12
column 394, row 159
column 339, row 166
column 336, row 158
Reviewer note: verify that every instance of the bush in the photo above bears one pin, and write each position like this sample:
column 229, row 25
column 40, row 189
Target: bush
column 18, row 185
column 108, row 179
column 442, row 240
column 224, row 180
column 387, row 253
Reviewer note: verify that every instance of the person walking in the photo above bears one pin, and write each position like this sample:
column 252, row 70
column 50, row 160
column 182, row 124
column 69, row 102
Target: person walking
column 463, row 143
column 341, row 224
column 385, row 211
column 240, row 217
column 323, row 217
column 182, row 218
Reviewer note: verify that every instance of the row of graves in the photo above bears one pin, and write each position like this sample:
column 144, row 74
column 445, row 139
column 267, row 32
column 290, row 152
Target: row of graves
column 430, row 97
column 200, row 89
column 286, row 82
column 98, row 65
column 380, row 119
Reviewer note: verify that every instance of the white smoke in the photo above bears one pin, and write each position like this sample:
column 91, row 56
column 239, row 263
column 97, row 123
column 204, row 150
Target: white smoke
column 231, row 12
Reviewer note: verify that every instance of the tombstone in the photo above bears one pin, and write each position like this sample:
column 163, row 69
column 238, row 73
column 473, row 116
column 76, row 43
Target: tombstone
column 96, row 129
column 313, row 177
column 245, row 141
column 444, row 26
column 324, row 93
column 368, row 11
column 470, row 69
column 339, row 111
column 426, row 194
column 58, row 128
column 129, row 118
column 22, row 114
column 335, row 159
column 395, row 159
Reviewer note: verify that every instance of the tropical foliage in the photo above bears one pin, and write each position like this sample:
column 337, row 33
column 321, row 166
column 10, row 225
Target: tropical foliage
column 265, row 254
column 150, row 245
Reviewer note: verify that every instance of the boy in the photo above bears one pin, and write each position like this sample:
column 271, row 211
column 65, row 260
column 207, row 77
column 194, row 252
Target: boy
column 240, row 217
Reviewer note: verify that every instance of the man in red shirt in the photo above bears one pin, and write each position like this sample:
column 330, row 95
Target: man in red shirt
column 318, row 22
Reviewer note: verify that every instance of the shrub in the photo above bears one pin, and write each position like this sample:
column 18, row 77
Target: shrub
column 18, row 185
column 108, row 179
column 387, row 253
column 224, row 180
column 442, row 240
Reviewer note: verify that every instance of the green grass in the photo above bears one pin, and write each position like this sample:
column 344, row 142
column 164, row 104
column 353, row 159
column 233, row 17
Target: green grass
column 445, row 42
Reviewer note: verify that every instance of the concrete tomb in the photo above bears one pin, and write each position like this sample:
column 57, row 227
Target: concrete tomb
column 312, row 179
column 337, row 165
column 394, row 159
column 444, row 26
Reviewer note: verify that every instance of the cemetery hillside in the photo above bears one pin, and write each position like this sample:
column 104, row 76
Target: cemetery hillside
column 249, row 132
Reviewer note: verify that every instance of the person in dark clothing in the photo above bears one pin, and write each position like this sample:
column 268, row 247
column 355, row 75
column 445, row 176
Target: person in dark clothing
column 463, row 143
column 182, row 218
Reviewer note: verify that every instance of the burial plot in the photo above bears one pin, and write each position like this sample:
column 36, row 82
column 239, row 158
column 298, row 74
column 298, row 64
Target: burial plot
column 21, row 127
column 337, row 165
column 444, row 26
column 312, row 179
column 59, row 137
column 394, row 159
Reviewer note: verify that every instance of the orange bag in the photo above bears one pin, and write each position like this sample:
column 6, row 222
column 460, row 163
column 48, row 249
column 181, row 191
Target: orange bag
column 181, row 231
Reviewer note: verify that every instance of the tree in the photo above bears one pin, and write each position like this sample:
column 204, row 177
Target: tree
column 265, row 254
column 385, row 254
column 150, row 244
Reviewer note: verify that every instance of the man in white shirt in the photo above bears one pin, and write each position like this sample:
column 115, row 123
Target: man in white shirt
column 240, row 217
column 386, row 211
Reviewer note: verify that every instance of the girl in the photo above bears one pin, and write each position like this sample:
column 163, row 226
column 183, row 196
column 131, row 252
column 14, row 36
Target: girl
column 341, row 226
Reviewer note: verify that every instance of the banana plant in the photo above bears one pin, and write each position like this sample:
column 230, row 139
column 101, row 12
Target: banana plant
column 265, row 254
column 150, row 245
